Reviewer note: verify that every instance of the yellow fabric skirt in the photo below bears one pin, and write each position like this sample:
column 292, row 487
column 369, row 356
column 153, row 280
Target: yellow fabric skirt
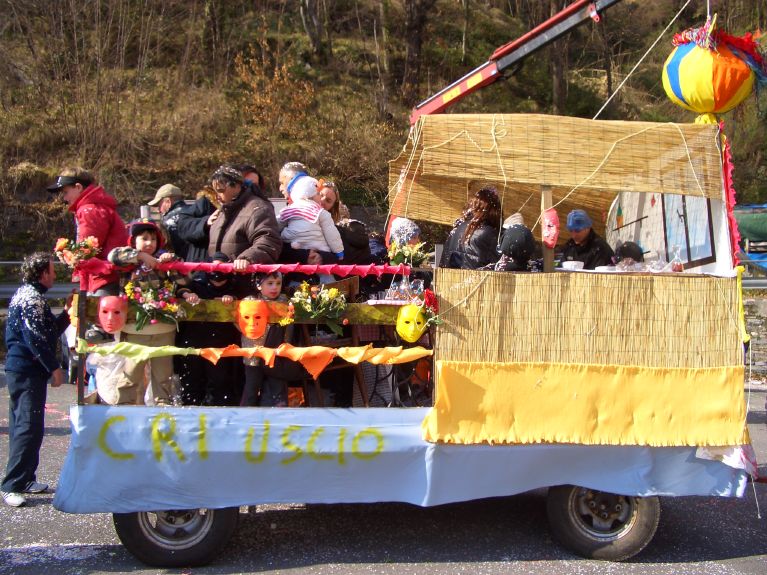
column 482, row 402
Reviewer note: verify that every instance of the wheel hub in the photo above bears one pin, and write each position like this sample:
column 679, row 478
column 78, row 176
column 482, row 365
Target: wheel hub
column 176, row 529
column 603, row 515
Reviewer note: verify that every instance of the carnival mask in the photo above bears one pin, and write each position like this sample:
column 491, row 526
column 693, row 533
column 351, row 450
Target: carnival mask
column 550, row 228
column 252, row 317
column 113, row 313
column 411, row 322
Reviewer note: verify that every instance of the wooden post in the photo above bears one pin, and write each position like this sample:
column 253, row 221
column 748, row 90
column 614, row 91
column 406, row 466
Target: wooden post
column 548, row 253
column 82, row 307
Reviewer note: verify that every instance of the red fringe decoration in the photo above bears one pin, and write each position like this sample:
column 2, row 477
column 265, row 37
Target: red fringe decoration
column 729, row 190
column 95, row 265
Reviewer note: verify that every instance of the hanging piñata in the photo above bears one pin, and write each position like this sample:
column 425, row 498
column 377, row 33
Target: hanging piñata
column 710, row 72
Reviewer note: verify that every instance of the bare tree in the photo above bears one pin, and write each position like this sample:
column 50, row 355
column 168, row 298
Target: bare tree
column 313, row 18
column 416, row 16
column 558, row 61
column 465, row 29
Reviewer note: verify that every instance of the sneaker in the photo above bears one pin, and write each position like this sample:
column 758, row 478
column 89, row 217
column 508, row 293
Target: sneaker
column 13, row 499
column 35, row 487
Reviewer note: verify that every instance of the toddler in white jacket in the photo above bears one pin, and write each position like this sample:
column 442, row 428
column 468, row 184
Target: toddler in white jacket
column 304, row 223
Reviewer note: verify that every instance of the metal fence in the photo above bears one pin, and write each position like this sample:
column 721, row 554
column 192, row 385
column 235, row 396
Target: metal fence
column 63, row 289
column 58, row 291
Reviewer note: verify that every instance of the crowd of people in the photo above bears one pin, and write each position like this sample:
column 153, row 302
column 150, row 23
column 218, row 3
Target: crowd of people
column 482, row 239
column 234, row 223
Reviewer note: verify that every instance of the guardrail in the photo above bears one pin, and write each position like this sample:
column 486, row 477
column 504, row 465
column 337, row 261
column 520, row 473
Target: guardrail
column 62, row 290
column 58, row 291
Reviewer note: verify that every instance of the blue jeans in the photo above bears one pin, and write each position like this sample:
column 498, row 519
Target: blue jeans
column 26, row 426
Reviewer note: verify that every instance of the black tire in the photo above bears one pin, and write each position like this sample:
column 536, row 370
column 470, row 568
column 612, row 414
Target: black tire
column 601, row 525
column 181, row 538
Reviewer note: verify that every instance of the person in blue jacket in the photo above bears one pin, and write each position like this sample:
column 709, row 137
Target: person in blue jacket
column 31, row 333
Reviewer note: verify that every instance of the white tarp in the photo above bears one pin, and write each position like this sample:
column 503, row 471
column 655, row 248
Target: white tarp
column 124, row 459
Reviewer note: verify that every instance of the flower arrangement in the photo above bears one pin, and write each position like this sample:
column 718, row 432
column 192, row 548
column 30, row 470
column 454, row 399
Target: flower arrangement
column 431, row 308
column 152, row 303
column 71, row 252
column 317, row 303
column 407, row 254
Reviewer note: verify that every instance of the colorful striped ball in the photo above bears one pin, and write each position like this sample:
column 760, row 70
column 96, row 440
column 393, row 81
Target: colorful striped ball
column 705, row 81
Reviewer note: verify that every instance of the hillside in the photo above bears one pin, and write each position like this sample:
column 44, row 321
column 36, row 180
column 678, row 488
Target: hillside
column 153, row 91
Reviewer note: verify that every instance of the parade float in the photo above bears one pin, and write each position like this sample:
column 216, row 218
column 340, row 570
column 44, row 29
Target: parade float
column 611, row 388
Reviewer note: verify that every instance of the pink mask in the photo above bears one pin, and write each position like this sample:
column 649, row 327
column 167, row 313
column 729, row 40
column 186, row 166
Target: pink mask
column 550, row 228
column 252, row 317
column 113, row 313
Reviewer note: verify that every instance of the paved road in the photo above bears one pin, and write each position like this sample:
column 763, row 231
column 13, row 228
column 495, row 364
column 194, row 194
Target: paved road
column 497, row 536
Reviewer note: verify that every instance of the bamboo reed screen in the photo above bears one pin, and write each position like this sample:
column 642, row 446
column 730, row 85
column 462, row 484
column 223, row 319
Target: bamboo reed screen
column 585, row 162
column 675, row 320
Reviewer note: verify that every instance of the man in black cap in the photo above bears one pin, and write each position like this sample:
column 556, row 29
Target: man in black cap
column 96, row 215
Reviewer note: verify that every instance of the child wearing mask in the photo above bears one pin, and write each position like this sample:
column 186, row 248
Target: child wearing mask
column 260, row 390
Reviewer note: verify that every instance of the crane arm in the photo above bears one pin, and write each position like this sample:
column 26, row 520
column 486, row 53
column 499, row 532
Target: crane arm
column 512, row 53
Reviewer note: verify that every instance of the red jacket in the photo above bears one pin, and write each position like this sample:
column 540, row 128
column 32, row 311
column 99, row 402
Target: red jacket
column 96, row 215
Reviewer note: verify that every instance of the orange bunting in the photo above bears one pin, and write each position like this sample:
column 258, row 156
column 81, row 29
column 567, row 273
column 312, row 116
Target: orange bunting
column 213, row 354
column 316, row 358
column 382, row 355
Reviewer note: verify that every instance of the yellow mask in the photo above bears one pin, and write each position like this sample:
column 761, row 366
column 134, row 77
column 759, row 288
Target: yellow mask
column 252, row 317
column 411, row 322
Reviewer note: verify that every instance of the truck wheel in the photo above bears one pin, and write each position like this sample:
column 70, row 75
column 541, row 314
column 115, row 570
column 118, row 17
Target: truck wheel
column 179, row 538
column 601, row 525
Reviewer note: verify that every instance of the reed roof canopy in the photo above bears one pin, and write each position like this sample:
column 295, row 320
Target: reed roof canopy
column 586, row 163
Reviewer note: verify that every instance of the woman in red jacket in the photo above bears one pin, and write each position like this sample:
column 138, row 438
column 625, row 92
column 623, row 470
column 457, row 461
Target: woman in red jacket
column 95, row 215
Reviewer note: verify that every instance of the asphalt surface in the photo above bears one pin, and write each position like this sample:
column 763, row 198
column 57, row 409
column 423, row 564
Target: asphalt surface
column 697, row 535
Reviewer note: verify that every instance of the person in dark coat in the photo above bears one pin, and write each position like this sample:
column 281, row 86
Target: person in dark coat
column 630, row 252
column 474, row 237
column 517, row 249
column 192, row 229
column 31, row 334
column 169, row 201
column 584, row 244
column 203, row 383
